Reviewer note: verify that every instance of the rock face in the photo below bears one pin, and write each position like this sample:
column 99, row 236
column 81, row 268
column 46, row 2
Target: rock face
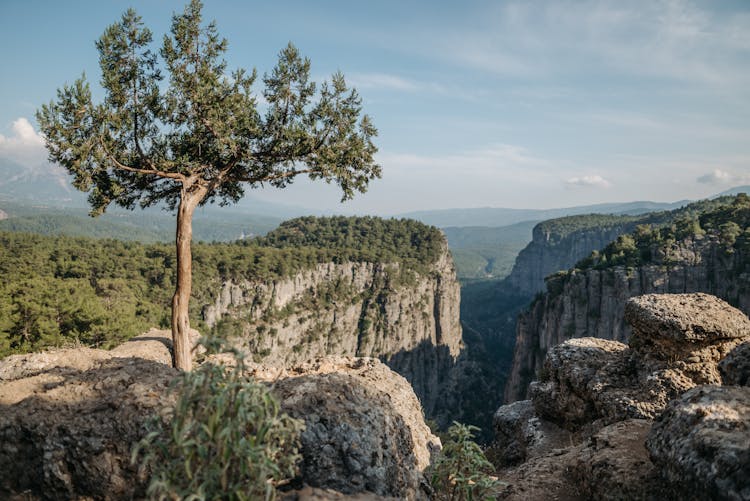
column 409, row 321
column 520, row 434
column 614, row 464
column 677, row 343
column 591, row 302
column 735, row 367
column 549, row 252
column 644, row 424
column 702, row 443
column 69, row 418
column 364, row 429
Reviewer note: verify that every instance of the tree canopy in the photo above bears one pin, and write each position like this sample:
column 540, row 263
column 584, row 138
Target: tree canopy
column 201, row 137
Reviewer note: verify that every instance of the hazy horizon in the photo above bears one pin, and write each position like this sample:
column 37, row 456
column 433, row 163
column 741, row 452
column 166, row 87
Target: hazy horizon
column 483, row 104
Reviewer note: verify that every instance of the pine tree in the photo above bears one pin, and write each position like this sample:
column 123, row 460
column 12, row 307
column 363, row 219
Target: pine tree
column 200, row 138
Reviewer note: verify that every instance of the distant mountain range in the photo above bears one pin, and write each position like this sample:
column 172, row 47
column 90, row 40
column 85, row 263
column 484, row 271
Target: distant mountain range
column 492, row 216
column 48, row 186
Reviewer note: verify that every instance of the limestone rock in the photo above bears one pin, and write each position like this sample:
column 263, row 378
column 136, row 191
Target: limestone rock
column 690, row 333
column 735, row 367
column 701, row 443
column 669, row 319
column 364, row 426
column 155, row 345
column 614, row 464
column 591, row 302
column 576, row 377
column 521, row 434
column 69, row 418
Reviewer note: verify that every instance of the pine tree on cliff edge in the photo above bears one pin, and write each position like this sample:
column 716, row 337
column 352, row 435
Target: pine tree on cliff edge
column 200, row 138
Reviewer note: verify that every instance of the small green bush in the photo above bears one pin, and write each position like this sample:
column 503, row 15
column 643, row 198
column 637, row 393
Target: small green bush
column 226, row 439
column 461, row 473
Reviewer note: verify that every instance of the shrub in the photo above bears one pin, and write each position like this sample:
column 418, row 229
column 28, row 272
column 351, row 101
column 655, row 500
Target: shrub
column 225, row 439
column 461, row 473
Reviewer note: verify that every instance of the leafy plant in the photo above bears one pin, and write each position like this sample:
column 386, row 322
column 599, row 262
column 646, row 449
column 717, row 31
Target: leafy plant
column 226, row 439
column 461, row 473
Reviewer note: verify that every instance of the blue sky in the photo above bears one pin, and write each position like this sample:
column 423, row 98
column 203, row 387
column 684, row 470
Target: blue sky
column 504, row 104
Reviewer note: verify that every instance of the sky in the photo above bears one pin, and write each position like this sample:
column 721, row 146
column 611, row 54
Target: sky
column 478, row 104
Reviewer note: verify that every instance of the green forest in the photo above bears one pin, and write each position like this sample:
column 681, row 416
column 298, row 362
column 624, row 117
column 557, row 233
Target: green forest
column 727, row 220
column 57, row 291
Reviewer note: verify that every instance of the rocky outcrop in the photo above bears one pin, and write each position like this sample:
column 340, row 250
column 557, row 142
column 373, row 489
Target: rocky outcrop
column 69, row 418
column 735, row 367
column 521, row 434
column 408, row 320
column 613, row 464
column 591, row 302
column 677, row 343
column 550, row 251
column 702, row 443
column 609, row 395
column 364, row 429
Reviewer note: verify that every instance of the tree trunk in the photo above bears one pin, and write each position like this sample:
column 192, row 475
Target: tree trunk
column 190, row 196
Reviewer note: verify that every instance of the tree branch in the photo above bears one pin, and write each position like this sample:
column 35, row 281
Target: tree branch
column 152, row 171
column 282, row 175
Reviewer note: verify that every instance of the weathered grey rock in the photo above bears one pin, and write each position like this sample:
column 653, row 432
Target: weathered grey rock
column 590, row 379
column 576, row 377
column 680, row 318
column 735, row 367
column 701, row 443
column 613, row 464
column 69, row 418
column 591, row 302
column 521, row 434
column 364, row 426
column 688, row 333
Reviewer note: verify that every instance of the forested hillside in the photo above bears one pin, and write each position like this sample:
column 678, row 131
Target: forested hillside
column 142, row 226
column 62, row 290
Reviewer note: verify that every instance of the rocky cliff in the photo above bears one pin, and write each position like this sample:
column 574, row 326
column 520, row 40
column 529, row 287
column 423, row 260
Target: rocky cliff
column 590, row 301
column 406, row 318
column 556, row 246
column 646, row 421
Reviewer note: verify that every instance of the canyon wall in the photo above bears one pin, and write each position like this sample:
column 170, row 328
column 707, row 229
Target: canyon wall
column 407, row 319
column 591, row 302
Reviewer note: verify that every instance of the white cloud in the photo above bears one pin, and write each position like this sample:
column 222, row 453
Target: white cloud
column 594, row 181
column 673, row 39
column 382, row 81
column 24, row 145
column 718, row 176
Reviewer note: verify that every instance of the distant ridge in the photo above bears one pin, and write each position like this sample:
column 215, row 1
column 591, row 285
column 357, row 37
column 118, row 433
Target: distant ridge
column 492, row 216
column 734, row 191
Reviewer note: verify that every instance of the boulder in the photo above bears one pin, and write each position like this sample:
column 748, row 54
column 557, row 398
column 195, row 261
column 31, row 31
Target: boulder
column 585, row 380
column 735, row 367
column 595, row 381
column 364, row 428
column 69, row 418
column 689, row 333
column 701, row 443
